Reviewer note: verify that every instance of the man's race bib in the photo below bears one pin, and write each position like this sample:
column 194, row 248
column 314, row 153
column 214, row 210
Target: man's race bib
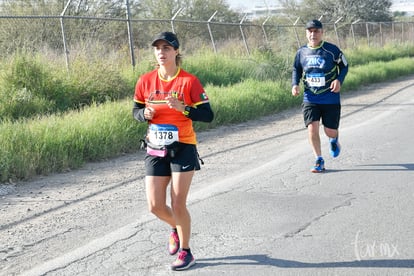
column 162, row 135
column 315, row 79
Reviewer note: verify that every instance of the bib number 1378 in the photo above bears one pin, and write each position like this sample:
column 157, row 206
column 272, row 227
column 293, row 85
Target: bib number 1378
column 163, row 134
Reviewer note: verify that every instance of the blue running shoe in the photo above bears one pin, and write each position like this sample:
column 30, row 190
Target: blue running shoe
column 319, row 166
column 184, row 261
column 335, row 148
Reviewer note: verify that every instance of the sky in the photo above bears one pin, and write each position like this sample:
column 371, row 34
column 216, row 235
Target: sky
column 243, row 4
column 249, row 4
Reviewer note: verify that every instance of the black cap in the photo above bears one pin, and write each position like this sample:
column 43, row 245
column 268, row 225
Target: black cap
column 316, row 24
column 168, row 37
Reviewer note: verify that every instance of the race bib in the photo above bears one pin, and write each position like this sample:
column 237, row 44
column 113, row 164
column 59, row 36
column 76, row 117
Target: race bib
column 162, row 135
column 315, row 79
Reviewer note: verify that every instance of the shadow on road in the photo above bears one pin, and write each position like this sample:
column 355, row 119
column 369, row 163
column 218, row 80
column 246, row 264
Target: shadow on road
column 265, row 260
column 378, row 167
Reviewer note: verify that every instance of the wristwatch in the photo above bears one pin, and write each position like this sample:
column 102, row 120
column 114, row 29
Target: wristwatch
column 187, row 110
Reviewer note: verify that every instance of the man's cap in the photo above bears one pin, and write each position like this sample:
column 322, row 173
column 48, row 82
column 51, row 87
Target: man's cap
column 316, row 24
column 168, row 37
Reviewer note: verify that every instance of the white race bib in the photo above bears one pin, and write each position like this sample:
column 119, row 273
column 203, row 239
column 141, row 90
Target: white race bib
column 162, row 135
column 315, row 79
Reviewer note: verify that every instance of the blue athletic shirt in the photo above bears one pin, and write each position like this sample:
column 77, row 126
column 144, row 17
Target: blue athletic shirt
column 317, row 68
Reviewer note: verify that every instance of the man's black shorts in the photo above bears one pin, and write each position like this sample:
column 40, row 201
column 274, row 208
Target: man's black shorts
column 329, row 113
column 185, row 159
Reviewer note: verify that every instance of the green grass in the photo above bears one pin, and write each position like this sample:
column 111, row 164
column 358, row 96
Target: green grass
column 95, row 122
column 366, row 55
column 248, row 100
column 31, row 85
column 379, row 71
column 59, row 142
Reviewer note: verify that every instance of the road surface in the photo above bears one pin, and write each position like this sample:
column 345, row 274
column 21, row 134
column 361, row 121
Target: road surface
column 256, row 208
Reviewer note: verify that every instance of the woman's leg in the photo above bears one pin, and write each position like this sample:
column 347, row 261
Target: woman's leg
column 156, row 189
column 180, row 187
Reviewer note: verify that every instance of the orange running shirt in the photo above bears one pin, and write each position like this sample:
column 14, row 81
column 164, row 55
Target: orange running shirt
column 152, row 90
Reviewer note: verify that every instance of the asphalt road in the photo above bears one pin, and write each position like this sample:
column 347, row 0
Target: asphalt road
column 256, row 208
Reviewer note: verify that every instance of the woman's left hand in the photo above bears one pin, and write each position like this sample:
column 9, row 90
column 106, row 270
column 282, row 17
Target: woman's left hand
column 175, row 103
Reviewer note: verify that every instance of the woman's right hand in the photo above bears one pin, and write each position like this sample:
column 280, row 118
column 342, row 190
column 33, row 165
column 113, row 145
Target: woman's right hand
column 149, row 113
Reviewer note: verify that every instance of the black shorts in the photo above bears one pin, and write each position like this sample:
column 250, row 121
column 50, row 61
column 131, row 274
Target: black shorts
column 185, row 159
column 329, row 113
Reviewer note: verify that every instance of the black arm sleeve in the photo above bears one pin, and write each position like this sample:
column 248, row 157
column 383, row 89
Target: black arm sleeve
column 202, row 113
column 138, row 112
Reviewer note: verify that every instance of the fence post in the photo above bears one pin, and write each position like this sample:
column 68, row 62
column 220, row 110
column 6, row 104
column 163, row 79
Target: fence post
column 211, row 34
column 393, row 30
column 173, row 18
column 242, row 33
column 264, row 30
column 381, row 34
column 352, row 30
column 336, row 31
column 296, row 32
column 65, row 48
column 131, row 41
column 412, row 29
column 367, row 28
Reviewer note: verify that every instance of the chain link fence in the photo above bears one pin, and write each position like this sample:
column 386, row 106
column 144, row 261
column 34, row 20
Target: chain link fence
column 67, row 37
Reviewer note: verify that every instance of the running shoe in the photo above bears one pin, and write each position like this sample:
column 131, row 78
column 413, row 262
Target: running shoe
column 319, row 166
column 173, row 243
column 184, row 261
column 335, row 147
